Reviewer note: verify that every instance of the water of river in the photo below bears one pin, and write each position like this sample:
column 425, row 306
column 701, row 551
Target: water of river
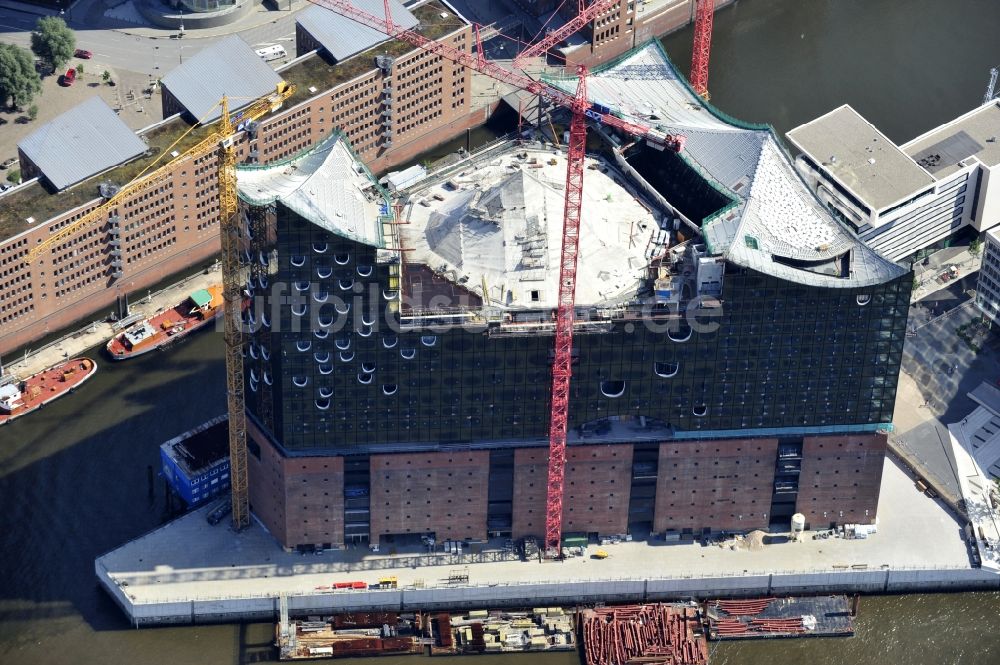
column 73, row 478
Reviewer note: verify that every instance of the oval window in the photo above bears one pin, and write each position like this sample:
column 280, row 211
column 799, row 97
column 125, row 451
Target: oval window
column 321, row 334
column 303, row 345
column 346, row 284
column 326, row 391
column 390, row 341
column 408, row 354
column 346, row 356
column 343, row 343
column 321, row 296
column 389, row 389
column 322, row 356
column 324, row 272
column 299, row 310
column 319, row 247
column 267, row 378
column 365, row 271
column 341, row 259
column 365, row 379
column 428, row 340
column 368, row 368
column 322, row 404
column 863, row 299
column 325, row 369
column 297, row 261
column 700, row 410
column 682, row 335
column 342, row 307
column 301, row 286
column 300, row 381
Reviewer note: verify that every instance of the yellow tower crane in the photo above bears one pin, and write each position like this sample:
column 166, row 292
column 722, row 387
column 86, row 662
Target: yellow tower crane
column 222, row 140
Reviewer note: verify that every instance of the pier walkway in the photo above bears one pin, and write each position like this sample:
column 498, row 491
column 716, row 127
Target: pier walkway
column 189, row 572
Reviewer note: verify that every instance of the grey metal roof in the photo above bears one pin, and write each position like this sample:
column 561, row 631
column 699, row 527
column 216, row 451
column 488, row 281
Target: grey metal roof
column 227, row 67
column 86, row 140
column 777, row 223
column 342, row 37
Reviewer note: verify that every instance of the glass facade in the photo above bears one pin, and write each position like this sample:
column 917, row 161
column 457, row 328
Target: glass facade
column 330, row 371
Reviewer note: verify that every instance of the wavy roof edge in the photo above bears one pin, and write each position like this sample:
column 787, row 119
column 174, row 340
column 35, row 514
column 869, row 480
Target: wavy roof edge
column 777, row 225
column 327, row 194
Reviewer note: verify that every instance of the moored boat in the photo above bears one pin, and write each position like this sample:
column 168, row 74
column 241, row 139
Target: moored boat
column 194, row 312
column 18, row 398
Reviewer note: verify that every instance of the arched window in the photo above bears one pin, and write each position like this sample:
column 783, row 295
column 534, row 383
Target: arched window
column 319, row 247
column 389, row 388
column 346, row 356
column 300, row 381
column 389, row 341
column 365, row 379
column 297, row 261
column 303, row 345
column 408, row 354
column 322, row 404
column 341, row 259
column 324, row 272
column 612, row 388
column 666, row 370
column 364, row 271
column 428, row 340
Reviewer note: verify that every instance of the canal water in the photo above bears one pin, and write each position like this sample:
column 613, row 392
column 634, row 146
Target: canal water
column 73, row 477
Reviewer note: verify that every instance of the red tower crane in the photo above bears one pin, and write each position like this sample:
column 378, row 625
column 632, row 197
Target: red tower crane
column 702, row 46
column 581, row 109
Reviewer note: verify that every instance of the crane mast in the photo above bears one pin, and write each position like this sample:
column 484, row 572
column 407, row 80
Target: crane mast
column 581, row 110
column 229, row 228
column 704, row 14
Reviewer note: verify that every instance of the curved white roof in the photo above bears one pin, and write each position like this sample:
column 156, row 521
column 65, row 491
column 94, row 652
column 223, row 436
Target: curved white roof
column 326, row 185
column 776, row 219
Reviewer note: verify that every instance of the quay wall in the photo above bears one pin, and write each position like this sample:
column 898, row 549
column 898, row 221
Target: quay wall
column 265, row 607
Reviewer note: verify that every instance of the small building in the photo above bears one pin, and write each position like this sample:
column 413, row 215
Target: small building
column 228, row 67
column 196, row 463
column 82, row 142
column 906, row 198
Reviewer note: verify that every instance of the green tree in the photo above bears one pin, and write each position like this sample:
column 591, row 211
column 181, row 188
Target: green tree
column 106, row 76
column 14, row 176
column 53, row 42
column 19, row 82
column 975, row 247
column 33, row 111
column 79, row 69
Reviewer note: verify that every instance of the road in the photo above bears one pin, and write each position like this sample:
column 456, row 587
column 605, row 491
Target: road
column 145, row 50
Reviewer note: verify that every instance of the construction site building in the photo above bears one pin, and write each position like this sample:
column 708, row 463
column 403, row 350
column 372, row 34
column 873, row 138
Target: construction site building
column 736, row 349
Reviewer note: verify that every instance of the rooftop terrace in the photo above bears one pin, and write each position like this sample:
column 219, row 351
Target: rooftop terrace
column 42, row 204
column 435, row 21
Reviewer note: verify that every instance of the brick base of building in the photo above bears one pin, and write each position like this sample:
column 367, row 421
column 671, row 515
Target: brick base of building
column 711, row 485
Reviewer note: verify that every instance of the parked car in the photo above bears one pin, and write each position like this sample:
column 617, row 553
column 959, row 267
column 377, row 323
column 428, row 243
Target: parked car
column 8, row 163
column 68, row 78
column 84, row 54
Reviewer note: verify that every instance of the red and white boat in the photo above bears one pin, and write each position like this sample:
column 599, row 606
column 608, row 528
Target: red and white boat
column 196, row 311
column 18, row 398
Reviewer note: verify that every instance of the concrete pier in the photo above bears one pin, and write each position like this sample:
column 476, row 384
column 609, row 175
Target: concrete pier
column 190, row 572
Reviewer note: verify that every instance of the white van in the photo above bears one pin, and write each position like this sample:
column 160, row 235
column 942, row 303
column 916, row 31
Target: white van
column 269, row 53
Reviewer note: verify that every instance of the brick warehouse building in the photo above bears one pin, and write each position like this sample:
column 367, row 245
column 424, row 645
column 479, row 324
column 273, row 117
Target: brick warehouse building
column 737, row 348
column 391, row 113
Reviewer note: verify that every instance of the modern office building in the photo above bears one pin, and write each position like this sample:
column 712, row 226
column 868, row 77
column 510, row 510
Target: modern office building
column 393, row 101
column 736, row 351
column 988, row 285
column 902, row 199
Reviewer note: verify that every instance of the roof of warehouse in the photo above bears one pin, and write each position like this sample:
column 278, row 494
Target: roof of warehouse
column 86, row 140
column 229, row 67
column 343, row 37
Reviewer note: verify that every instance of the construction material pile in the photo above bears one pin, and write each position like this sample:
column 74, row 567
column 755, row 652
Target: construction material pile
column 643, row 634
column 760, row 617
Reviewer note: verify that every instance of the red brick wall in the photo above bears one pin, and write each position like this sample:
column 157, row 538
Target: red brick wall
column 314, row 500
column 440, row 493
column 598, row 481
column 299, row 499
column 266, row 476
column 840, row 478
column 713, row 483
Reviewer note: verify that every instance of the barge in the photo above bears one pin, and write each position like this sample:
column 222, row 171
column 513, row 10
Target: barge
column 762, row 618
